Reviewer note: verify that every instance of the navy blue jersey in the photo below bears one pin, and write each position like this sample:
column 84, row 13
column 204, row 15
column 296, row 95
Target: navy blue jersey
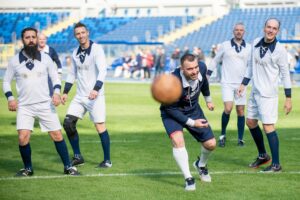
column 188, row 102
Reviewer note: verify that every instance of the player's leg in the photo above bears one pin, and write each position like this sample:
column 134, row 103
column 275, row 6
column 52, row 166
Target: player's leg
column 224, row 122
column 69, row 125
column 181, row 157
column 269, row 114
column 180, row 154
column 240, row 110
column 62, row 151
column 105, row 142
column 208, row 144
column 97, row 113
column 240, row 102
column 227, row 97
column 25, row 122
column 75, row 111
column 25, row 151
column 252, row 123
column 49, row 122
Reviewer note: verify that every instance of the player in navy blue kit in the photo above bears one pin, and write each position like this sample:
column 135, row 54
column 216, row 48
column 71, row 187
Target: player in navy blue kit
column 187, row 113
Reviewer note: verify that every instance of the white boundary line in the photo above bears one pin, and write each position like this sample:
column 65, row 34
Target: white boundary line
column 138, row 174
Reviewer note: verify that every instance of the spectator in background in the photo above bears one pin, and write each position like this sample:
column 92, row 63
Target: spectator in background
column 160, row 60
column 42, row 46
column 175, row 59
column 292, row 64
column 199, row 54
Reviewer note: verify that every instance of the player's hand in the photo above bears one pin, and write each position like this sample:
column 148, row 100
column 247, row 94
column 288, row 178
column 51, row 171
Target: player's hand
column 201, row 123
column 288, row 105
column 56, row 99
column 12, row 105
column 210, row 106
column 64, row 99
column 240, row 90
column 93, row 95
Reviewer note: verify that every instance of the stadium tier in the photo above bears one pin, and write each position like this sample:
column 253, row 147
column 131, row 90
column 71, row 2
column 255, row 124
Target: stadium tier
column 15, row 22
column 253, row 19
column 116, row 29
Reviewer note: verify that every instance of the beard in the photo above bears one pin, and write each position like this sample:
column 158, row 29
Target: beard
column 31, row 50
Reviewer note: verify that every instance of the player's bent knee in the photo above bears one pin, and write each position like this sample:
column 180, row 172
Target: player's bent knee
column 177, row 139
column 251, row 123
column 70, row 125
column 210, row 144
column 56, row 135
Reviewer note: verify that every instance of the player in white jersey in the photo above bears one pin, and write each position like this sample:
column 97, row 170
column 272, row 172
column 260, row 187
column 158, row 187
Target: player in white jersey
column 31, row 69
column 233, row 55
column 268, row 61
column 89, row 68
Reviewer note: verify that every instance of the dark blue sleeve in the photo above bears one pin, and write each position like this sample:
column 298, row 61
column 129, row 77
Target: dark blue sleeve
column 55, row 57
column 176, row 114
column 205, row 87
column 67, row 88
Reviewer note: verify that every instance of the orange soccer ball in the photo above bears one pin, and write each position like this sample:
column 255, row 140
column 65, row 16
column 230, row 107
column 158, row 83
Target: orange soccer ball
column 166, row 88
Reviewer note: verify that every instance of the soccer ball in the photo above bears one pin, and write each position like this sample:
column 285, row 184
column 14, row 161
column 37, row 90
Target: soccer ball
column 166, row 89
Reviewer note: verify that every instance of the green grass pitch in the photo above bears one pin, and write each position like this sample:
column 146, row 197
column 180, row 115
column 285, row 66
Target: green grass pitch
column 143, row 165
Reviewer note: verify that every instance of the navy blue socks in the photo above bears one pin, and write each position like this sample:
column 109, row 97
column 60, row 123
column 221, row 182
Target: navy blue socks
column 74, row 141
column 241, row 127
column 274, row 146
column 225, row 120
column 25, row 152
column 62, row 150
column 105, row 141
column 259, row 140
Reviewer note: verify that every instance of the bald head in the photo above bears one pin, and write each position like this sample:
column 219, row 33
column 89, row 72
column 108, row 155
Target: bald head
column 42, row 40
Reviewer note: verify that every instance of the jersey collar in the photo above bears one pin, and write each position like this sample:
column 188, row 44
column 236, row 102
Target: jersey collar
column 23, row 57
column 237, row 47
column 87, row 51
column 270, row 46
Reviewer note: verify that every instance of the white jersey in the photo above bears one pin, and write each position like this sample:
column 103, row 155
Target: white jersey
column 234, row 60
column 31, row 78
column 89, row 68
column 265, row 70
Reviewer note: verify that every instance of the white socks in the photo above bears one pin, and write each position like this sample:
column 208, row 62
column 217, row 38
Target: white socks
column 182, row 159
column 204, row 156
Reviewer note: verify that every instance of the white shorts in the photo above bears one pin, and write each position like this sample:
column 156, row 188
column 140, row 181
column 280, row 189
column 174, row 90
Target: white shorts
column 229, row 93
column 44, row 112
column 263, row 108
column 96, row 108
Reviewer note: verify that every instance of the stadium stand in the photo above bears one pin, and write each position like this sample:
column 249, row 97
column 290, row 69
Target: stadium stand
column 116, row 29
column 253, row 19
column 64, row 40
column 15, row 22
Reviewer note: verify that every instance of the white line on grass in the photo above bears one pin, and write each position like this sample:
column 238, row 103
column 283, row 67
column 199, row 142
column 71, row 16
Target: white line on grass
column 112, row 141
column 137, row 174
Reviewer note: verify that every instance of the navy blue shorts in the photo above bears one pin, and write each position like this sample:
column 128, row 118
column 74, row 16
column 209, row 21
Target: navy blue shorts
column 200, row 134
